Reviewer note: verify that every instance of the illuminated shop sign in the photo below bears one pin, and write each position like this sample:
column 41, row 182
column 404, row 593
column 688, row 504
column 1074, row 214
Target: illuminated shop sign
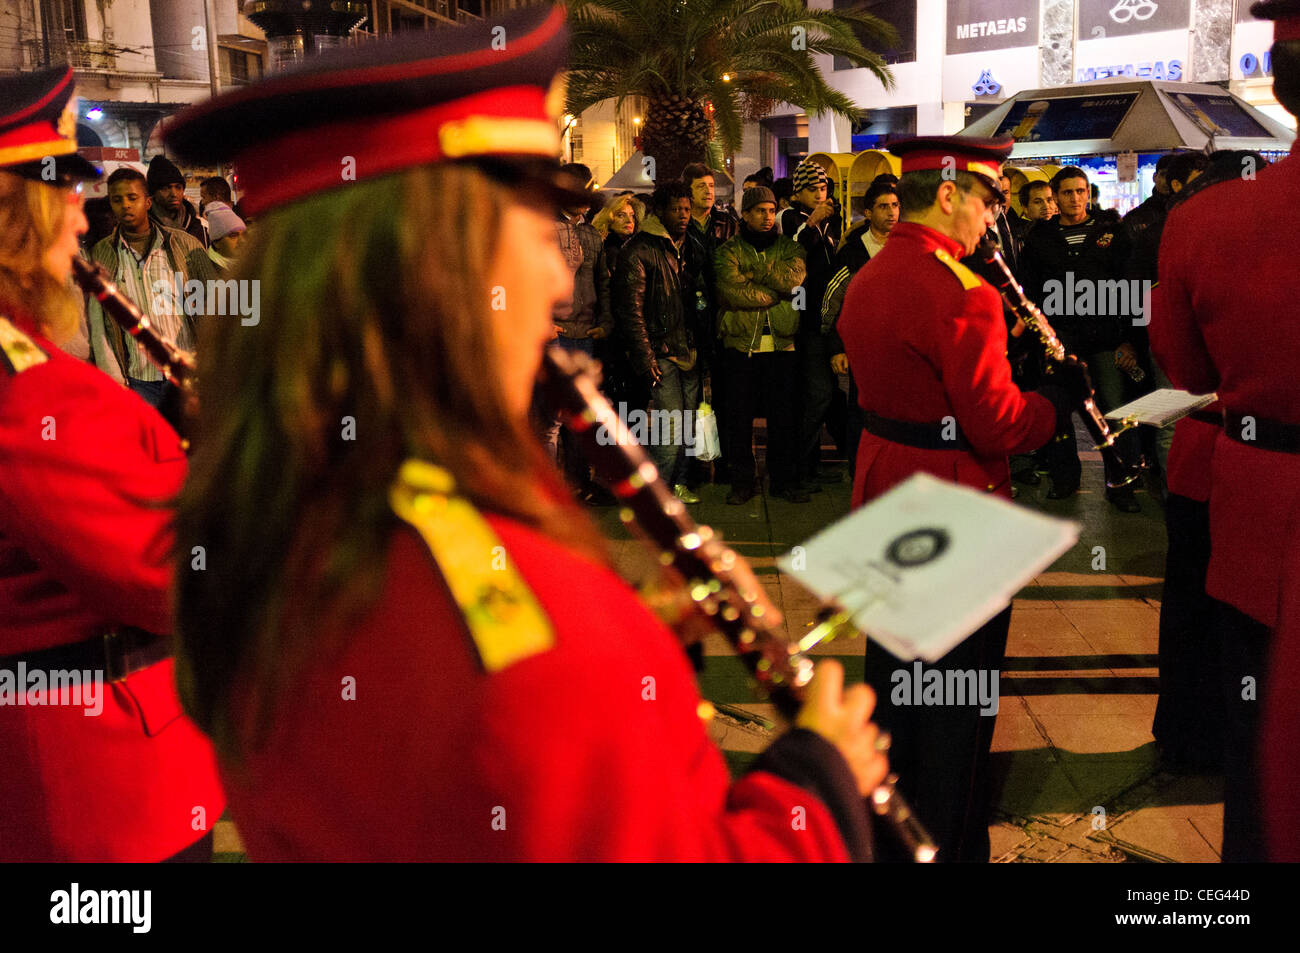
column 1173, row 69
column 986, row 85
column 1252, row 65
column 1102, row 18
column 976, row 25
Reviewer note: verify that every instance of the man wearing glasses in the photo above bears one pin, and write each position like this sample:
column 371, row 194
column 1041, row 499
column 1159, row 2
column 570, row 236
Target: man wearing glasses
column 927, row 343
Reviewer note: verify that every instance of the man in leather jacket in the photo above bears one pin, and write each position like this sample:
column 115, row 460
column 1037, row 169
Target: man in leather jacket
column 659, row 298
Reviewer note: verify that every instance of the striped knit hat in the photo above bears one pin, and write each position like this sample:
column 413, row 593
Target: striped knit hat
column 808, row 173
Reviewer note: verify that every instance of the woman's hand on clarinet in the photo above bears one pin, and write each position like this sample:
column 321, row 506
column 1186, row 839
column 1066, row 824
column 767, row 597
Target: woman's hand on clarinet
column 841, row 717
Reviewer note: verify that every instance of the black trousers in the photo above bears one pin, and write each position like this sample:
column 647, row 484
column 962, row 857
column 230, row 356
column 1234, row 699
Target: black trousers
column 748, row 378
column 941, row 752
column 855, row 420
column 1062, row 454
column 1189, row 720
column 1245, row 648
column 817, row 385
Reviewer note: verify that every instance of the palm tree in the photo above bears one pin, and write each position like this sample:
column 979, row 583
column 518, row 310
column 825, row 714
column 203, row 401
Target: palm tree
column 706, row 66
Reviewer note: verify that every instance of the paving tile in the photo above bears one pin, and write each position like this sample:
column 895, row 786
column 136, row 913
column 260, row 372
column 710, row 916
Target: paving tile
column 1174, row 837
column 1016, row 729
column 1040, row 624
column 1115, row 735
column 1099, row 780
column 1135, row 707
column 1005, row 838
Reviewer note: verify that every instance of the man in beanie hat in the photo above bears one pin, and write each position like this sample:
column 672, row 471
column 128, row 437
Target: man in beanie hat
column 927, row 345
column 171, row 208
column 1226, row 324
column 226, row 230
column 370, row 483
column 812, row 222
column 757, row 273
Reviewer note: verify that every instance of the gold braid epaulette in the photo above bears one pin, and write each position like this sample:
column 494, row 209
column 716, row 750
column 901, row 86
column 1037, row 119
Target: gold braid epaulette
column 969, row 280
column 19, row 351
column 503, row 615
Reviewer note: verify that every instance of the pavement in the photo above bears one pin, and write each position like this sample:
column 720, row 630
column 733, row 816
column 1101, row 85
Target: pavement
column 1076, row 770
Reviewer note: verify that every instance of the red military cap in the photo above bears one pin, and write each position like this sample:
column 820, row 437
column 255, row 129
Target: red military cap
column 981, row 157
column 489, row 94
column 1285, row 13
column 38, row 130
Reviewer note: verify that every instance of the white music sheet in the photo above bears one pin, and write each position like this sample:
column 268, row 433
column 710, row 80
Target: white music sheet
column 928, row 563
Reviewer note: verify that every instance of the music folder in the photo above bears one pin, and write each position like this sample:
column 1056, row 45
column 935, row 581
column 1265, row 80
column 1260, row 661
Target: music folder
column 1160, row 408
column 928, row 563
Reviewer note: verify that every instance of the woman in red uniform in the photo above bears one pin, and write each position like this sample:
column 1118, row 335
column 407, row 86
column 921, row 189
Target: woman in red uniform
column 98, row 762
column 408, row 643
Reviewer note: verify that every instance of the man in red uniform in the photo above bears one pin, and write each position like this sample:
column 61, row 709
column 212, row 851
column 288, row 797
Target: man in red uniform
column 104, row 767
column 927, row 342
column 1226, row 324
column 499, row 694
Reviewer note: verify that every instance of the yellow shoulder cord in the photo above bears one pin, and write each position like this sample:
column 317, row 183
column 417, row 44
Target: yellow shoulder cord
column 504, row 618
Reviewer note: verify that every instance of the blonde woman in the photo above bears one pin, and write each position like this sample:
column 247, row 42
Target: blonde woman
column 84, row 579
column 617, row 222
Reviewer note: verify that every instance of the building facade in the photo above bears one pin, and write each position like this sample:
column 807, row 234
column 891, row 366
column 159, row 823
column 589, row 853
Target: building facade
column 971, row 55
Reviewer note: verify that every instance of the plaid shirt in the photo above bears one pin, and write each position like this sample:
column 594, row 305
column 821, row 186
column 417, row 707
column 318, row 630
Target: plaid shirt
column 150, row 282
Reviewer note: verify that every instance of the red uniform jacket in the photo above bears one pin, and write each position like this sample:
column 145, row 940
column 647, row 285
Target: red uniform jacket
column 1192, row 452
column 82, row 551
column 926, row 340
column 1226, row 323
column 590, row 750
column 1280, row 740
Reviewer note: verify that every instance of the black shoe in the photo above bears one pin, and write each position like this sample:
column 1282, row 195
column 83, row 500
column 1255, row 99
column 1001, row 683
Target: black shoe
column 740, row 495
column 812, row 486
column 1123, row 500
column 792, row 494
column 1062, row 490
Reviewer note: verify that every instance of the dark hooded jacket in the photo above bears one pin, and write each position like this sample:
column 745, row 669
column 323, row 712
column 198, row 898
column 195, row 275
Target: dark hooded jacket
column 659, row 295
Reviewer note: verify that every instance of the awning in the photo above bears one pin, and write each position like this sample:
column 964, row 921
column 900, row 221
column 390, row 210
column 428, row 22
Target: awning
column 632, row 176
column 1122, row 115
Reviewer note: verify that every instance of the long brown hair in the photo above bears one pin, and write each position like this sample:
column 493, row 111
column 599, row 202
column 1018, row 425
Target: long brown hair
column 31, row 219
column 374, row 308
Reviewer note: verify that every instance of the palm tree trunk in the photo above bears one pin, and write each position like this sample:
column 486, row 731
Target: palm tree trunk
column 677, row 133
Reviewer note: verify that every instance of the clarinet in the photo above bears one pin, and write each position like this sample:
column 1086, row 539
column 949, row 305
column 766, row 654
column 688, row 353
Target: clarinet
column 177, row 366
column 999, row 275
column 719, row 582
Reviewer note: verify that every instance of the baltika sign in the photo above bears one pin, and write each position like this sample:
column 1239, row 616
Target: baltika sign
column 1103, row 18
column 978, row 25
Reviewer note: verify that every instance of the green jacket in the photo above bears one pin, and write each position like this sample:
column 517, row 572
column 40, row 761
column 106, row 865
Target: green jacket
column 753, row 285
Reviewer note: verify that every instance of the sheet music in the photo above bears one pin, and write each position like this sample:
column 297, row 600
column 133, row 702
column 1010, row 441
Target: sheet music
column 928, row 563
column 1160, row 408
